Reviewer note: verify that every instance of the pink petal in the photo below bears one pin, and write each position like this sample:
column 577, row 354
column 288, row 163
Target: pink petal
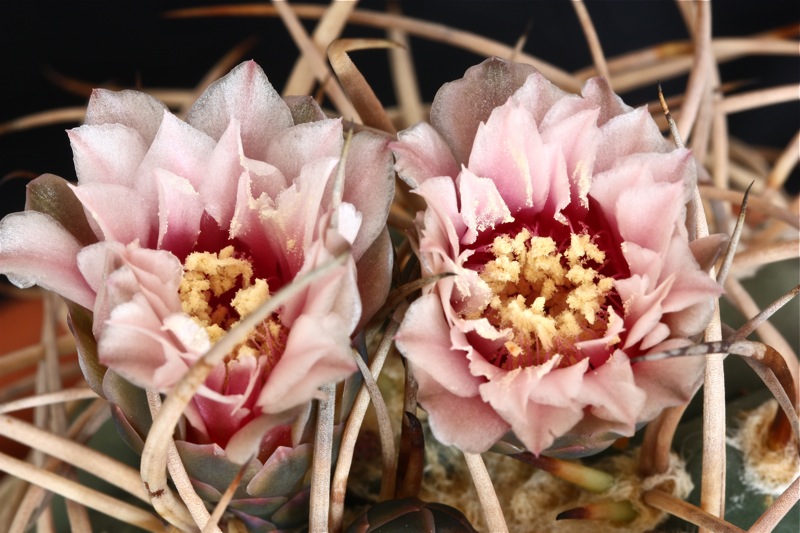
column 424, row 340
column 707, row 250
column 631, row 133
column 643, row 308
column 421, row 153
column 179, row 211
column 579, row 138
column 612, row 392
column 536, row 421
column 248, row 441
column 133, row 344
column 219, row 186
column 639, row 170
column 442, row 222
column 292, row 148
column 265, row 179
column 599, row 94
column 461, row 105
column 538, row 96
column 36, row 250
column 646, row 215
column 118, row 273
column 333, row 294
column 246, row 95
column 120, row 213
column 466, row 422
column 133, row 109
column 317, row 352
column 190, row 334
column 369, row 186
column 298, row 208
column 108, row 153
column 349, row 222
column 500, row 153
column 178, row 148
column 482, row 207
column 668, row 382
column 241, row 378
column 257, row 223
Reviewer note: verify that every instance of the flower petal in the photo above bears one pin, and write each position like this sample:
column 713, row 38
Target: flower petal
column 631, row 133
column 375, row 276
column 469, row 423
column 246, row 95
column 36, row 250
column 421, row 153
column 179, row 211
column 178, row 148
column 369, row 186
column 119, row 213
column 107, row 153
column 220, row 184
column 460, row 106
column 317, row 352
column 133, row 109
column 482, row 207
column 613, row 392
column 424, row 340
column 133, row 344
column 292, row 148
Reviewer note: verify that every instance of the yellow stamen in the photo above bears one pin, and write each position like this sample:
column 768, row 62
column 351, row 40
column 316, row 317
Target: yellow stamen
column 550, row 299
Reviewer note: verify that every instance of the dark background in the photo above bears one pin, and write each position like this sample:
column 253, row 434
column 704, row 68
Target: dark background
column 128, row 42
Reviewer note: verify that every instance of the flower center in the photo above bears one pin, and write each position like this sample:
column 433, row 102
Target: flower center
column 550, row 296
column 218, row 290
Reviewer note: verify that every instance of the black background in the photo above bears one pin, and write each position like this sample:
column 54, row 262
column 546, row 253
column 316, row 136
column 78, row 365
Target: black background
column 128, row 42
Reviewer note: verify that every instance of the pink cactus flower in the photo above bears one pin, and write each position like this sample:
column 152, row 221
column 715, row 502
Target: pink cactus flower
column 193, row 224
column 563, row 218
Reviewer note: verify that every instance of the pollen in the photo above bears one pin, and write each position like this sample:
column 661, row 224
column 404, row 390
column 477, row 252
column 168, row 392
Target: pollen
column 551, row 297
column 218, row 290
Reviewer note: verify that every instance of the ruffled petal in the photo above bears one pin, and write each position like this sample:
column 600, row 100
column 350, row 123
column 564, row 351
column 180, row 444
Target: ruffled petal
column 659, row 204
column 500, row 153
column 468, row 423
column 612, row 391
column 443, row 223
column 133, row 344
column 631, row 133
column 482, row 207
column 538, row 96
column 424, row 340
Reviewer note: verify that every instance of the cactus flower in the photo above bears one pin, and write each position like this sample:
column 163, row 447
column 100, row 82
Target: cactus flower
column 176, row 230
column 564, row 220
